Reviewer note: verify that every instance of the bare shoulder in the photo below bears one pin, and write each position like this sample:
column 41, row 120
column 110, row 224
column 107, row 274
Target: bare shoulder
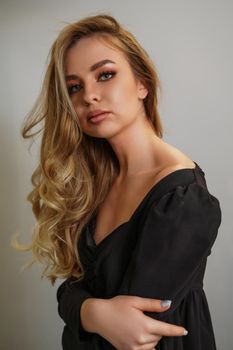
column 173, row 159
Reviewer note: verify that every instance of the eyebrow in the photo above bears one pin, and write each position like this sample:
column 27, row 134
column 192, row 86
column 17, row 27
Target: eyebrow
column 92, row 68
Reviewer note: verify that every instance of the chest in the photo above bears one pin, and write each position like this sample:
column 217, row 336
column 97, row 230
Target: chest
column 119, row 206
column 123, row 200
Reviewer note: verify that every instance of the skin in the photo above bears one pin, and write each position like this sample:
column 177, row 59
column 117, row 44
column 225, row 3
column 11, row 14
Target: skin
column 141, row 155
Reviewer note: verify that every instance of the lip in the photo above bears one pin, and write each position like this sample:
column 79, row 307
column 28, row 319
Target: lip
column 95, row 113
column 97, row 118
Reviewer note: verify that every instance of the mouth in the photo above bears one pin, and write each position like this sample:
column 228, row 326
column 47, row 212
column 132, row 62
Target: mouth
column 95, row 113
column 98, row 117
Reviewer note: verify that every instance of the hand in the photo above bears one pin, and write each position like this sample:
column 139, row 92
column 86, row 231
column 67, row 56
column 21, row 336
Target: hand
column 121, row 321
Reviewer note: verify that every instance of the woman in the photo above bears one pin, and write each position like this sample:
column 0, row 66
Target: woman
column 124, row 217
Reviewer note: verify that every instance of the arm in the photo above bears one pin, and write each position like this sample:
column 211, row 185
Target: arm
column 177, row 235
column 70, row 296
column 96, row 316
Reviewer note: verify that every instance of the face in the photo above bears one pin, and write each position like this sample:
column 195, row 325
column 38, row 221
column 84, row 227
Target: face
column 99, row 77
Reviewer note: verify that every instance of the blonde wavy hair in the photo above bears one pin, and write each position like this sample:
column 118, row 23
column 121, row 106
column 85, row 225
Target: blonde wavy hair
column 75, row 171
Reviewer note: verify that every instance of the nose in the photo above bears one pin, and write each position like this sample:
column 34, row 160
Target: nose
column 90, row 94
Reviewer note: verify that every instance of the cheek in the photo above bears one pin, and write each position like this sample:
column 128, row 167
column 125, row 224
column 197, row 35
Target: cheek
column 80, row 116
column 79, row 109
column 121, row 97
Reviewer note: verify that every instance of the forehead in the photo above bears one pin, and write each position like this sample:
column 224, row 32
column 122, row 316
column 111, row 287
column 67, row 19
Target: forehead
column 88, row 51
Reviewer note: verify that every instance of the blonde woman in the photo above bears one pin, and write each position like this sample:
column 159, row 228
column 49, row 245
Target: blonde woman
column 124, row 217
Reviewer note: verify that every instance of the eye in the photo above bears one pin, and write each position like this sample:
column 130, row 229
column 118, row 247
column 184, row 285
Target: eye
column 70, row 89
column 107, row 73
column 77, row 86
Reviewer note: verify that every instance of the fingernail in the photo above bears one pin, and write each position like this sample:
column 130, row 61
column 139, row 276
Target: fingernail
column 185, row 332
column 165, row 303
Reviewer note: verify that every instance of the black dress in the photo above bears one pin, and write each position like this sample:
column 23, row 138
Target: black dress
column 161, row 253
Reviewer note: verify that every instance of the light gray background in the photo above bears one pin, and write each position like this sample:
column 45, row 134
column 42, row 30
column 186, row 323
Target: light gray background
column 191, row 45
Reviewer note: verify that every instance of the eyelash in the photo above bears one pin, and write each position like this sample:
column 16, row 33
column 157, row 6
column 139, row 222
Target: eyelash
column 103, row 73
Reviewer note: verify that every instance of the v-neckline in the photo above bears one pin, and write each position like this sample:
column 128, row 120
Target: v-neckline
column 92, row 222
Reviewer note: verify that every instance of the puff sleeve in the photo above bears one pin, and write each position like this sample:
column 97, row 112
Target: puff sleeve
column 175, row 239
column 70, row 296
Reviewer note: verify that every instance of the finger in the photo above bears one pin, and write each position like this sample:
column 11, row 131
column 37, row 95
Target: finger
column 149, row 342
column 167, row 329
column 148, row 304
column 149, row 346
column 149, row 339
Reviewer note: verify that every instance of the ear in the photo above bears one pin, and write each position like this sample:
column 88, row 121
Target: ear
column 142, row 90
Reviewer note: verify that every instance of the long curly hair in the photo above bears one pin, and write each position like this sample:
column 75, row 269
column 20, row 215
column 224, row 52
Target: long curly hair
column 75, row 171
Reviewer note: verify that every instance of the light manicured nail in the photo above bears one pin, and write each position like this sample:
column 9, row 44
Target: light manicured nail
column 185, row 332
column 165, row 303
